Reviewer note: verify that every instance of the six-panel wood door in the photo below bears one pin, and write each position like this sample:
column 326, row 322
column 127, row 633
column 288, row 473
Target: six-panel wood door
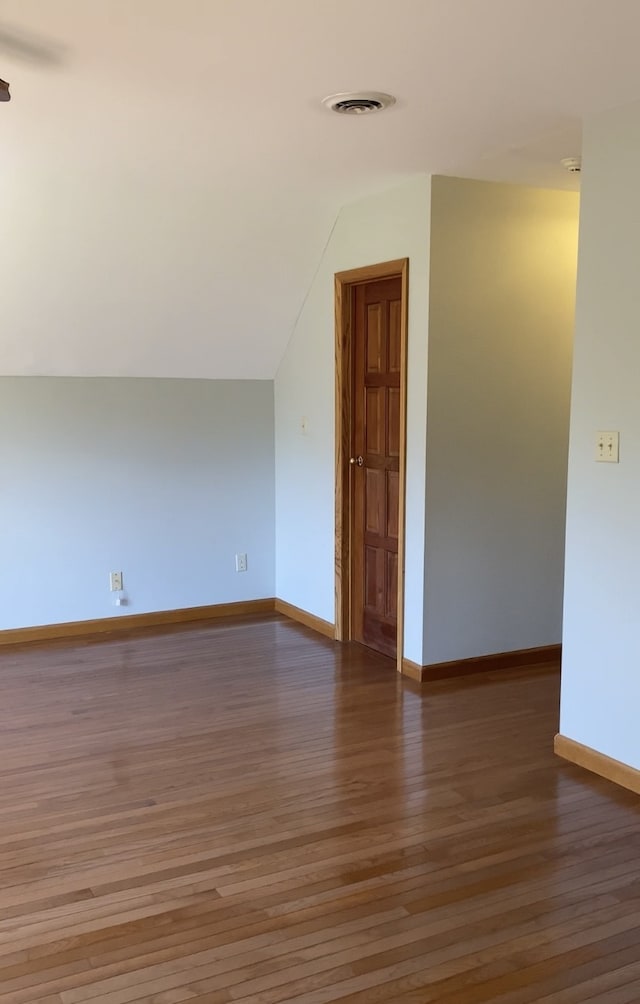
column 376, row 341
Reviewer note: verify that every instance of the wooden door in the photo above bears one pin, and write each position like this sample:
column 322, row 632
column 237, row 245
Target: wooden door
column 375, row 470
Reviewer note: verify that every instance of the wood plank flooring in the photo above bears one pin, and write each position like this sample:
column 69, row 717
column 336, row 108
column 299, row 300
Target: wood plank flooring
column 251, row 813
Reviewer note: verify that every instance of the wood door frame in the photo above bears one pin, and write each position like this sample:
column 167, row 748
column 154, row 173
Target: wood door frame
column 345, row 282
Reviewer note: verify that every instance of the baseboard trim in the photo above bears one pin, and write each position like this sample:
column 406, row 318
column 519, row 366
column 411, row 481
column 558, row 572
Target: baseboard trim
column 134, row 622
column 304, row 617
column 412, row 670
column 162, row 618
column 159, row 618
column 597, row 763
column 543, row 656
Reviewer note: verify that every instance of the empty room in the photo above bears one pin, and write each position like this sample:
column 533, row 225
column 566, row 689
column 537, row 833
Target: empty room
column 318, row 424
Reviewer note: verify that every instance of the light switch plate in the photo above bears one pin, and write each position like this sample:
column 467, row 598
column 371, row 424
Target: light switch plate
column 607, row 447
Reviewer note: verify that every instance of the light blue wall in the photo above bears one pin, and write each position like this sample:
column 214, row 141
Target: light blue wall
column 501, row 319
column 486, row 443
column 164, row 480
column 394, row 224
column 601, row 644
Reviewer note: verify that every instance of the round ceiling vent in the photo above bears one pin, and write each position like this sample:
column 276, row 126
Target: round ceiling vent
column 572, row 164
column 358, row 102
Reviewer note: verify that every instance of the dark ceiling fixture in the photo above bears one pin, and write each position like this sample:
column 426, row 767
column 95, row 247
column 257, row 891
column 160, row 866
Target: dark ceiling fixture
column 28, row 47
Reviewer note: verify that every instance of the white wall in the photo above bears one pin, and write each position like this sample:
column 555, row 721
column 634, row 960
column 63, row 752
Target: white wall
column 600, row 670
column 164, row 480
column 501, row 317
column 381, row 228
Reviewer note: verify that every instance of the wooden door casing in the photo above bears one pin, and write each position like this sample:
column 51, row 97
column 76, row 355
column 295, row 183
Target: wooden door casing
column 376, row 420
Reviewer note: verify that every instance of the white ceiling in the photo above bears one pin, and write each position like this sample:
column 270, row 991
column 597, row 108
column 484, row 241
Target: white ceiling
column 169, row 180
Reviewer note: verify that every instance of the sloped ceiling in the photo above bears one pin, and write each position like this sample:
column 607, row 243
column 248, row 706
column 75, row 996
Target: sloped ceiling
column 168, row 178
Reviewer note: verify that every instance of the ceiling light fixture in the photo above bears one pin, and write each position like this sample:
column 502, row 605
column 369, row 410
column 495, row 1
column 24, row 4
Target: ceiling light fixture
column 4, row 91
column 358, row 102
column 572, row 164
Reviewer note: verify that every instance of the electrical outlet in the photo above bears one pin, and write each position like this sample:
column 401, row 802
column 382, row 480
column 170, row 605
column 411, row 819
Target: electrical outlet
column 607, row 447
column 115, row 582
column 241, row 562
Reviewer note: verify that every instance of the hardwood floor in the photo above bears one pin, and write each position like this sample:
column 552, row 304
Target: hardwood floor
column 252, row 813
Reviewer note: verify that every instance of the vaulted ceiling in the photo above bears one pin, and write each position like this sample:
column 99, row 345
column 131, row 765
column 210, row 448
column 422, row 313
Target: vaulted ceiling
column 168, row 177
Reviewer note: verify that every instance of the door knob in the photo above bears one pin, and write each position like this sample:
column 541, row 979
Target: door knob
column 358, row 461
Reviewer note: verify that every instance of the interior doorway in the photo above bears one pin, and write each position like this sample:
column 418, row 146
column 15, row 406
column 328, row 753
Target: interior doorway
column 371, row 353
